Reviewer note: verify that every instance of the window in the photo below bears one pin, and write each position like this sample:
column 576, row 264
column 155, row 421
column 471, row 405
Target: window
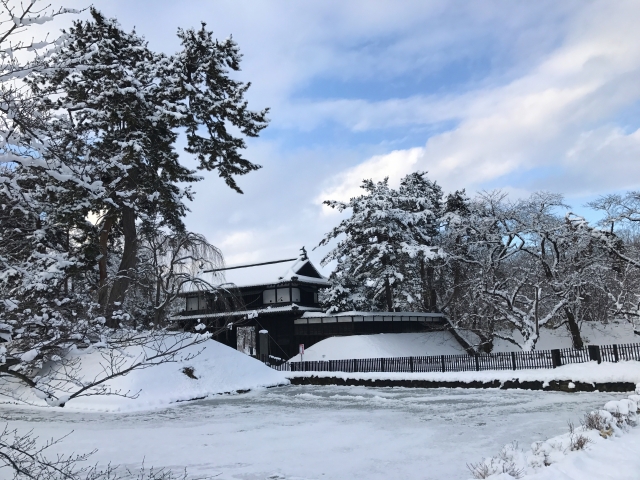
column 195, row 303
column 282, row 295
column 295, row 294
column 315, row 297
column 192, row 303
column 268, row 296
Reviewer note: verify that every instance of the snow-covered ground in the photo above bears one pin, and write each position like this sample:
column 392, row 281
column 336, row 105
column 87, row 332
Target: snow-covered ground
column 592, row 333
column 388, row 345
column 320, row 432
column 383, row 345
column 218, row 369
column 590, row 372
column 615, row 459
column 604, row 446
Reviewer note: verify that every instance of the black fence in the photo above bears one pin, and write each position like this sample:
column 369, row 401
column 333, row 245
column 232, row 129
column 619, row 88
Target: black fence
column 465, row 363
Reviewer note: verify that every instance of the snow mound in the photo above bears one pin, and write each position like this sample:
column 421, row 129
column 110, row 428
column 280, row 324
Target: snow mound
column 591, row 332
column 596, row 450
column 215, row 370
column 383, row 345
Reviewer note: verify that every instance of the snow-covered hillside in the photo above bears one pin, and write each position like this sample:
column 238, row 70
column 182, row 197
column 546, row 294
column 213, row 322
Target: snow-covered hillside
column 592, row 333
column 217, row 369
column 383, row 345
column 387, row 345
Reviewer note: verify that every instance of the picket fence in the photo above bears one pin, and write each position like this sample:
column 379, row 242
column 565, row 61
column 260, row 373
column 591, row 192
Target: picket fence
column 478, row 362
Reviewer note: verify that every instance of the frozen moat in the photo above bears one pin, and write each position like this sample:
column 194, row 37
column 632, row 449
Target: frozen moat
column 308, row 432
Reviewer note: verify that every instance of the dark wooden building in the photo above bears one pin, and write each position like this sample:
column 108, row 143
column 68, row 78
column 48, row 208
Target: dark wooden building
column 267, row 301
column 286, row 306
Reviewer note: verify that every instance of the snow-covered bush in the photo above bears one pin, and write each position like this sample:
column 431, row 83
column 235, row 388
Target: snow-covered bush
column 614, row 419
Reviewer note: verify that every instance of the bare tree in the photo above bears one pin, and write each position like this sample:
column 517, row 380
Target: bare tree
column 27, row 459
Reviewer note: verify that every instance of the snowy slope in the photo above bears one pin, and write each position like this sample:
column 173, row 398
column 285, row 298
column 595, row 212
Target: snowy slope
column 612, row 459
column 383, row 345
column 592, row 333
column 387, row 345
column 218, row 368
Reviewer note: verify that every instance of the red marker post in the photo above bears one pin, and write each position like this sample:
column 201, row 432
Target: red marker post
column 301, row 350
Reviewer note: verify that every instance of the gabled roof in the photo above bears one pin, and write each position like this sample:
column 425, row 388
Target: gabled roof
column 300, row 269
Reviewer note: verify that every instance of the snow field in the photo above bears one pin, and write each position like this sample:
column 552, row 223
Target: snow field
column 604, row 446
column 313, row 433
column 592, row 333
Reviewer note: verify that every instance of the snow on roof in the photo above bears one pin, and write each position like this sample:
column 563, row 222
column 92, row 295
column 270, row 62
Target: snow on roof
column 275, row 273
column 255, row 312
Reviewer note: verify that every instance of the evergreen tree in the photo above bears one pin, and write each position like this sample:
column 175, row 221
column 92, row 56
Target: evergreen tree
column 386, row 234
column 114, row 124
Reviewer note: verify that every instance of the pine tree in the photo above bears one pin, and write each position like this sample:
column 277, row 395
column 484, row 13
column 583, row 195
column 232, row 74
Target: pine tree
column 382, row 240
column 114, row 124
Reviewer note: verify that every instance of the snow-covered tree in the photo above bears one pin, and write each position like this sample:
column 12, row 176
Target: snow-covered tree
column 114, row 123
column 617, row 234
column 386, row 236
column 90, row 130
column 519, row 266
column 172, row 263
column 422, row 198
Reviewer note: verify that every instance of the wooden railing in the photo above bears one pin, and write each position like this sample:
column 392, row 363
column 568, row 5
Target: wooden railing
column 479, row 362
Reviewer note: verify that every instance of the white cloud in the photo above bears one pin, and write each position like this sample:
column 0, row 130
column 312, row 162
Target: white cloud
column 546, row 81
column 554, row 116
column 347, row 185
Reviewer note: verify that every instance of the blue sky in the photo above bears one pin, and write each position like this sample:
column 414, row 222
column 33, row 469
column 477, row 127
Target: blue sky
column 521, row 96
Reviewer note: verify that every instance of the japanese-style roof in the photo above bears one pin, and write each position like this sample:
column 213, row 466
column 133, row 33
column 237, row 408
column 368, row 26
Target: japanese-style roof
column 301, row 270
column 259, row 312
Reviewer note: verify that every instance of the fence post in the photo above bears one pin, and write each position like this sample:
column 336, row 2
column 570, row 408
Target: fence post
column 355, row 364
column 556, row 360
column 594, row 353
column 331, row 366
column 615, row 353
column 513, row 360
column 382, row 364
column 411, row 363
column 475, row 357
column 442, row 359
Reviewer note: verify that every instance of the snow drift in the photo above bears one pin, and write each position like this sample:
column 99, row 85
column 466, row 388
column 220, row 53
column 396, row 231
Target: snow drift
column 592, row 333
column 200, row 371
column 606, row 434
column 383, row 345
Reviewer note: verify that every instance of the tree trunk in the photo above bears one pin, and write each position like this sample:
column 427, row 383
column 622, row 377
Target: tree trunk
column 431, row 289
column 127, row 264
column 425, row 291
column 158, row 311
column 103, row 292
column 387, row 291
column 574, row 329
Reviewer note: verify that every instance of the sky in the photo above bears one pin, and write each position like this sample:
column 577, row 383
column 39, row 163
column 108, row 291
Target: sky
column 512, row 95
